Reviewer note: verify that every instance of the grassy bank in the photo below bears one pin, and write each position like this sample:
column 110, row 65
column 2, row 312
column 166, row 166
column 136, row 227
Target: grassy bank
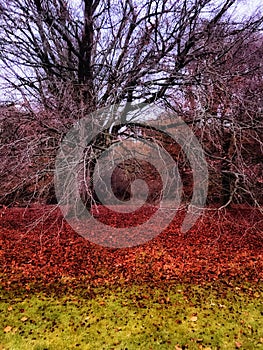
column 211, row 316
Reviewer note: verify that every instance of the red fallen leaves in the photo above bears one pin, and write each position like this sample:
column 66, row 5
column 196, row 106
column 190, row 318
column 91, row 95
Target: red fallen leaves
column 122, row 220
column 227, row 244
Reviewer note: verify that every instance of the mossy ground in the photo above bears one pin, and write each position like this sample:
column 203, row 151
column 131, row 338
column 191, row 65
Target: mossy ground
column 207, row 316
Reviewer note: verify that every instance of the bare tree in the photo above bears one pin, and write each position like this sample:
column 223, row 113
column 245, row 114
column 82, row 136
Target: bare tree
column 71, row 60
column 226, row 104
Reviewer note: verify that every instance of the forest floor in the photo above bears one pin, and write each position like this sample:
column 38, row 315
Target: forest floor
column 202, row 289
column 38, row 246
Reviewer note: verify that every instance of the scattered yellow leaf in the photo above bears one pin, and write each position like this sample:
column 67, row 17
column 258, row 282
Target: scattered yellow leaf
column 24, row 319
column 177, row 347
column 238, row 344
column 193, row 319
column 7, row 329
column 10, row 308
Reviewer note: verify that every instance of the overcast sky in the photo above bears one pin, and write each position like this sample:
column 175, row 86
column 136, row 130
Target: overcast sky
column 247, row 7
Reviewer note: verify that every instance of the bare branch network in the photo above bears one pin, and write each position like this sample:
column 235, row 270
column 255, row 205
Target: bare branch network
column 62, row 61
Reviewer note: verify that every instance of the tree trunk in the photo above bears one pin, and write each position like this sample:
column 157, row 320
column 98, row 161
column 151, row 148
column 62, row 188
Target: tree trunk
column 226, row 170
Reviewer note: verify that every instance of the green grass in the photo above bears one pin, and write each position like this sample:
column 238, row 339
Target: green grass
column 214, row 316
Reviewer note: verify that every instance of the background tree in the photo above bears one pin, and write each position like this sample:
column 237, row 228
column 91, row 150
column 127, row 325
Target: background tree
column 227, row 105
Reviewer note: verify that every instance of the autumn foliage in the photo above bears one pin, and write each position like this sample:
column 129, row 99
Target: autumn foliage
column 38, row 246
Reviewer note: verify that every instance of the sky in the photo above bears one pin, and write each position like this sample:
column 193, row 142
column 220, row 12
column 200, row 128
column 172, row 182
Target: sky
column 247, row 7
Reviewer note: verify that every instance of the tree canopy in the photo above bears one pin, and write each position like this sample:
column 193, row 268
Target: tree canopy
column 196, row 58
